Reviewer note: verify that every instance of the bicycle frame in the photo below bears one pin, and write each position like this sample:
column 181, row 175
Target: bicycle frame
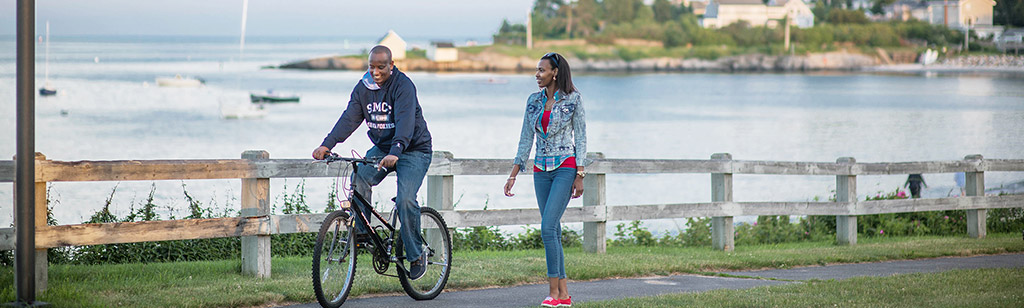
column 378, row 242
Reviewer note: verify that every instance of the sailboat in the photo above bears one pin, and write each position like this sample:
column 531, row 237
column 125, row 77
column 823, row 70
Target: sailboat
column 241, row 110
column 47, row 89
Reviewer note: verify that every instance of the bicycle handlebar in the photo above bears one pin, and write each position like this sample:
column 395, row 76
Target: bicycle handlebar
column 333, row 157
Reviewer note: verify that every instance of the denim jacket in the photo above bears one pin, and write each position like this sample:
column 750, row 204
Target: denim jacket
column 566, row 134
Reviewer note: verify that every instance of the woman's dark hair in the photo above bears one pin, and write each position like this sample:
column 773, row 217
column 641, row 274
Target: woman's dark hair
column 563, row 80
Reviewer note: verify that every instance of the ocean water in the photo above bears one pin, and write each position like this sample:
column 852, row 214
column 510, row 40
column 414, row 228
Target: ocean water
column 110, row 108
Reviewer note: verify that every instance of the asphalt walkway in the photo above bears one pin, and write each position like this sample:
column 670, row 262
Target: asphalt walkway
column 531, row 295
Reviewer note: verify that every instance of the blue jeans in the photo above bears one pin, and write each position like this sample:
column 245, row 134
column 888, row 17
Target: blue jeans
column 554, row 188
column 411, row 168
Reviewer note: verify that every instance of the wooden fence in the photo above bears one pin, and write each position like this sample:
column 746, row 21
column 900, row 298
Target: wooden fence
column 255, row 223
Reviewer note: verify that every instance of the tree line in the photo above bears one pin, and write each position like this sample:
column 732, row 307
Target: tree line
column 601, row 22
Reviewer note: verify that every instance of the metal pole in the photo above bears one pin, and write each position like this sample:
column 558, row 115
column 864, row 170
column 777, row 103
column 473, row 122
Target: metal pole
column 24, row 183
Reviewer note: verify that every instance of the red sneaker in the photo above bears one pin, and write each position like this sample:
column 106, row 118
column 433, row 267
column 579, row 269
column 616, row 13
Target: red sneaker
column 551, row 302
column 565, row 302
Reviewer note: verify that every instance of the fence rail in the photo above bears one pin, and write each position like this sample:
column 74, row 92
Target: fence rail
column 255, row 224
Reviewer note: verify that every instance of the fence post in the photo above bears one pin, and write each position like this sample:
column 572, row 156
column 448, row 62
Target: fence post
column 256, row 203
column 846, row 191
column 440, row 194
column 441, row 188
column 722, row 230
column 42, row 264
column 976, row 219
column 594, row 233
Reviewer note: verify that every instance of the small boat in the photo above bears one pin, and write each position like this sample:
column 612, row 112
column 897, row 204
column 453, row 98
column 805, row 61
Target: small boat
column 47, row 89
column 929, row 56
column 242, row 111
column 179, row 82
column 271, row 97
column 493, row 80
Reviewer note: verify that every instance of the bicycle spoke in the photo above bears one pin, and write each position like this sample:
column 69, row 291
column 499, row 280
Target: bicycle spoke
column 334, row 260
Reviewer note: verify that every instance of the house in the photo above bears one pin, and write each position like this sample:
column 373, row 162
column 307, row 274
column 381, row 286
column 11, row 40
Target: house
column 957, row 14
column 442, row 52
column 395, row 43
column 904, row 10
column 721, row 13
column 698, row 7
column 799, row 13
column 1011, row 39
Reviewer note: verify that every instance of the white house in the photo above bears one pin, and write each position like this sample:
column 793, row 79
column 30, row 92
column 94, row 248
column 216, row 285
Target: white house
column 956, row 14
column 395, row 43
column 799, row 13
column 442, row 52
column 721, row 13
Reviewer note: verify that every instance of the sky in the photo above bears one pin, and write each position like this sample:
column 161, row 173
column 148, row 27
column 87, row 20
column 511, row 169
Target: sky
column 341, row 18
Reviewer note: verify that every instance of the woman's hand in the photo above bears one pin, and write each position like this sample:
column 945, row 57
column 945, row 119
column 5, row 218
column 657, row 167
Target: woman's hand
column 508, row 186
column 577, row 187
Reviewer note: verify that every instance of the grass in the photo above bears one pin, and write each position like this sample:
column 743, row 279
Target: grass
column 220, row 284
column 958, row 288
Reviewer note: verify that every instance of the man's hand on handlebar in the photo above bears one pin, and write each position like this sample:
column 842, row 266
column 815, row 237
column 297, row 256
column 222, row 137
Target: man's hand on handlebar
column 389, row 161
column 320, row 152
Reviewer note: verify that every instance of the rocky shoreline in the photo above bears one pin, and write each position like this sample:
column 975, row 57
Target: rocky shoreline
column 961, row 64
column 490, row 62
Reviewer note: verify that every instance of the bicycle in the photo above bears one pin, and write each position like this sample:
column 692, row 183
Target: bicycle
column 339, row 245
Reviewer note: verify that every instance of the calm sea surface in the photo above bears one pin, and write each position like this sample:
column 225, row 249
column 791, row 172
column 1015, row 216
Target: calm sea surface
column 110, row 108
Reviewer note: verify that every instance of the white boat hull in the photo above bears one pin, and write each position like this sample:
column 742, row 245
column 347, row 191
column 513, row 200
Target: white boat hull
column 179, row 82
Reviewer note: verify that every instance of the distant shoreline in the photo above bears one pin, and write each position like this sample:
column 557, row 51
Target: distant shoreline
column 495, row 62
column 811, row 62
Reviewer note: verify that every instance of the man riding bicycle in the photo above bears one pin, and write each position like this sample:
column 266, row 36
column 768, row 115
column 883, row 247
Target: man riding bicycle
column 385, row 98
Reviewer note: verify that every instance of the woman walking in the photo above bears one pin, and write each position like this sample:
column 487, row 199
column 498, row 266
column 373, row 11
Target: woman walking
column 555, row 119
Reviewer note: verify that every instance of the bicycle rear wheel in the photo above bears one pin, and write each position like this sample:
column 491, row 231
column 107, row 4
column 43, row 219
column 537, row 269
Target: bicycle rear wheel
column 438, row 248
column 334, row 260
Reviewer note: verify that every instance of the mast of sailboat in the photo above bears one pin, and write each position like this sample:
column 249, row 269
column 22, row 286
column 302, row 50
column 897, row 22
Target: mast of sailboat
column 46, row 64
column 245, row 14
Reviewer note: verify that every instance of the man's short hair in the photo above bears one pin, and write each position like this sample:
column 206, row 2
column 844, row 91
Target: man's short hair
column 381, row 49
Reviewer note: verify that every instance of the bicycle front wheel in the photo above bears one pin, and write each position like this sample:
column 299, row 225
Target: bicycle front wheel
column 334, row 260
column 438, row 247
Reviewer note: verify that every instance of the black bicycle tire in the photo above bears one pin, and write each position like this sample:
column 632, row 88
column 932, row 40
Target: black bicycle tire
column 317, row 250
column 403, row 275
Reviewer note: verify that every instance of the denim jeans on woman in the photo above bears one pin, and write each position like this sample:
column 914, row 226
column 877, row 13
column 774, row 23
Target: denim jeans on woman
column 554, row 188
column 411, row 168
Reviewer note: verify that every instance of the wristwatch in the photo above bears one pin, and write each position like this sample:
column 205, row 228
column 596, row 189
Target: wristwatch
column 581, row 174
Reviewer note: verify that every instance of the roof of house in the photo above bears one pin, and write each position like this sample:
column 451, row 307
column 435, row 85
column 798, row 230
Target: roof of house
column 1015, row 31
column 740, row 2
column 391, row 33
column 443, row 44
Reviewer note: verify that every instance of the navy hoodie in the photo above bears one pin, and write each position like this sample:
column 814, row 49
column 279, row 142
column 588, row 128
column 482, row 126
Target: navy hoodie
column 392, row 114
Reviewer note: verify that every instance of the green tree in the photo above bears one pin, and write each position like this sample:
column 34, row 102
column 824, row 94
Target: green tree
column 619, row 11
column 663, row 11
column 820, row 10
column 841, row 16
column 878, row 7
column 1009, row 13
column 644, row 15
column 587, row 18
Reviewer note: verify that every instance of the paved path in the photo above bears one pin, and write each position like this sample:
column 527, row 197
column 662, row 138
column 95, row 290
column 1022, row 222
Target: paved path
column 531, row 295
